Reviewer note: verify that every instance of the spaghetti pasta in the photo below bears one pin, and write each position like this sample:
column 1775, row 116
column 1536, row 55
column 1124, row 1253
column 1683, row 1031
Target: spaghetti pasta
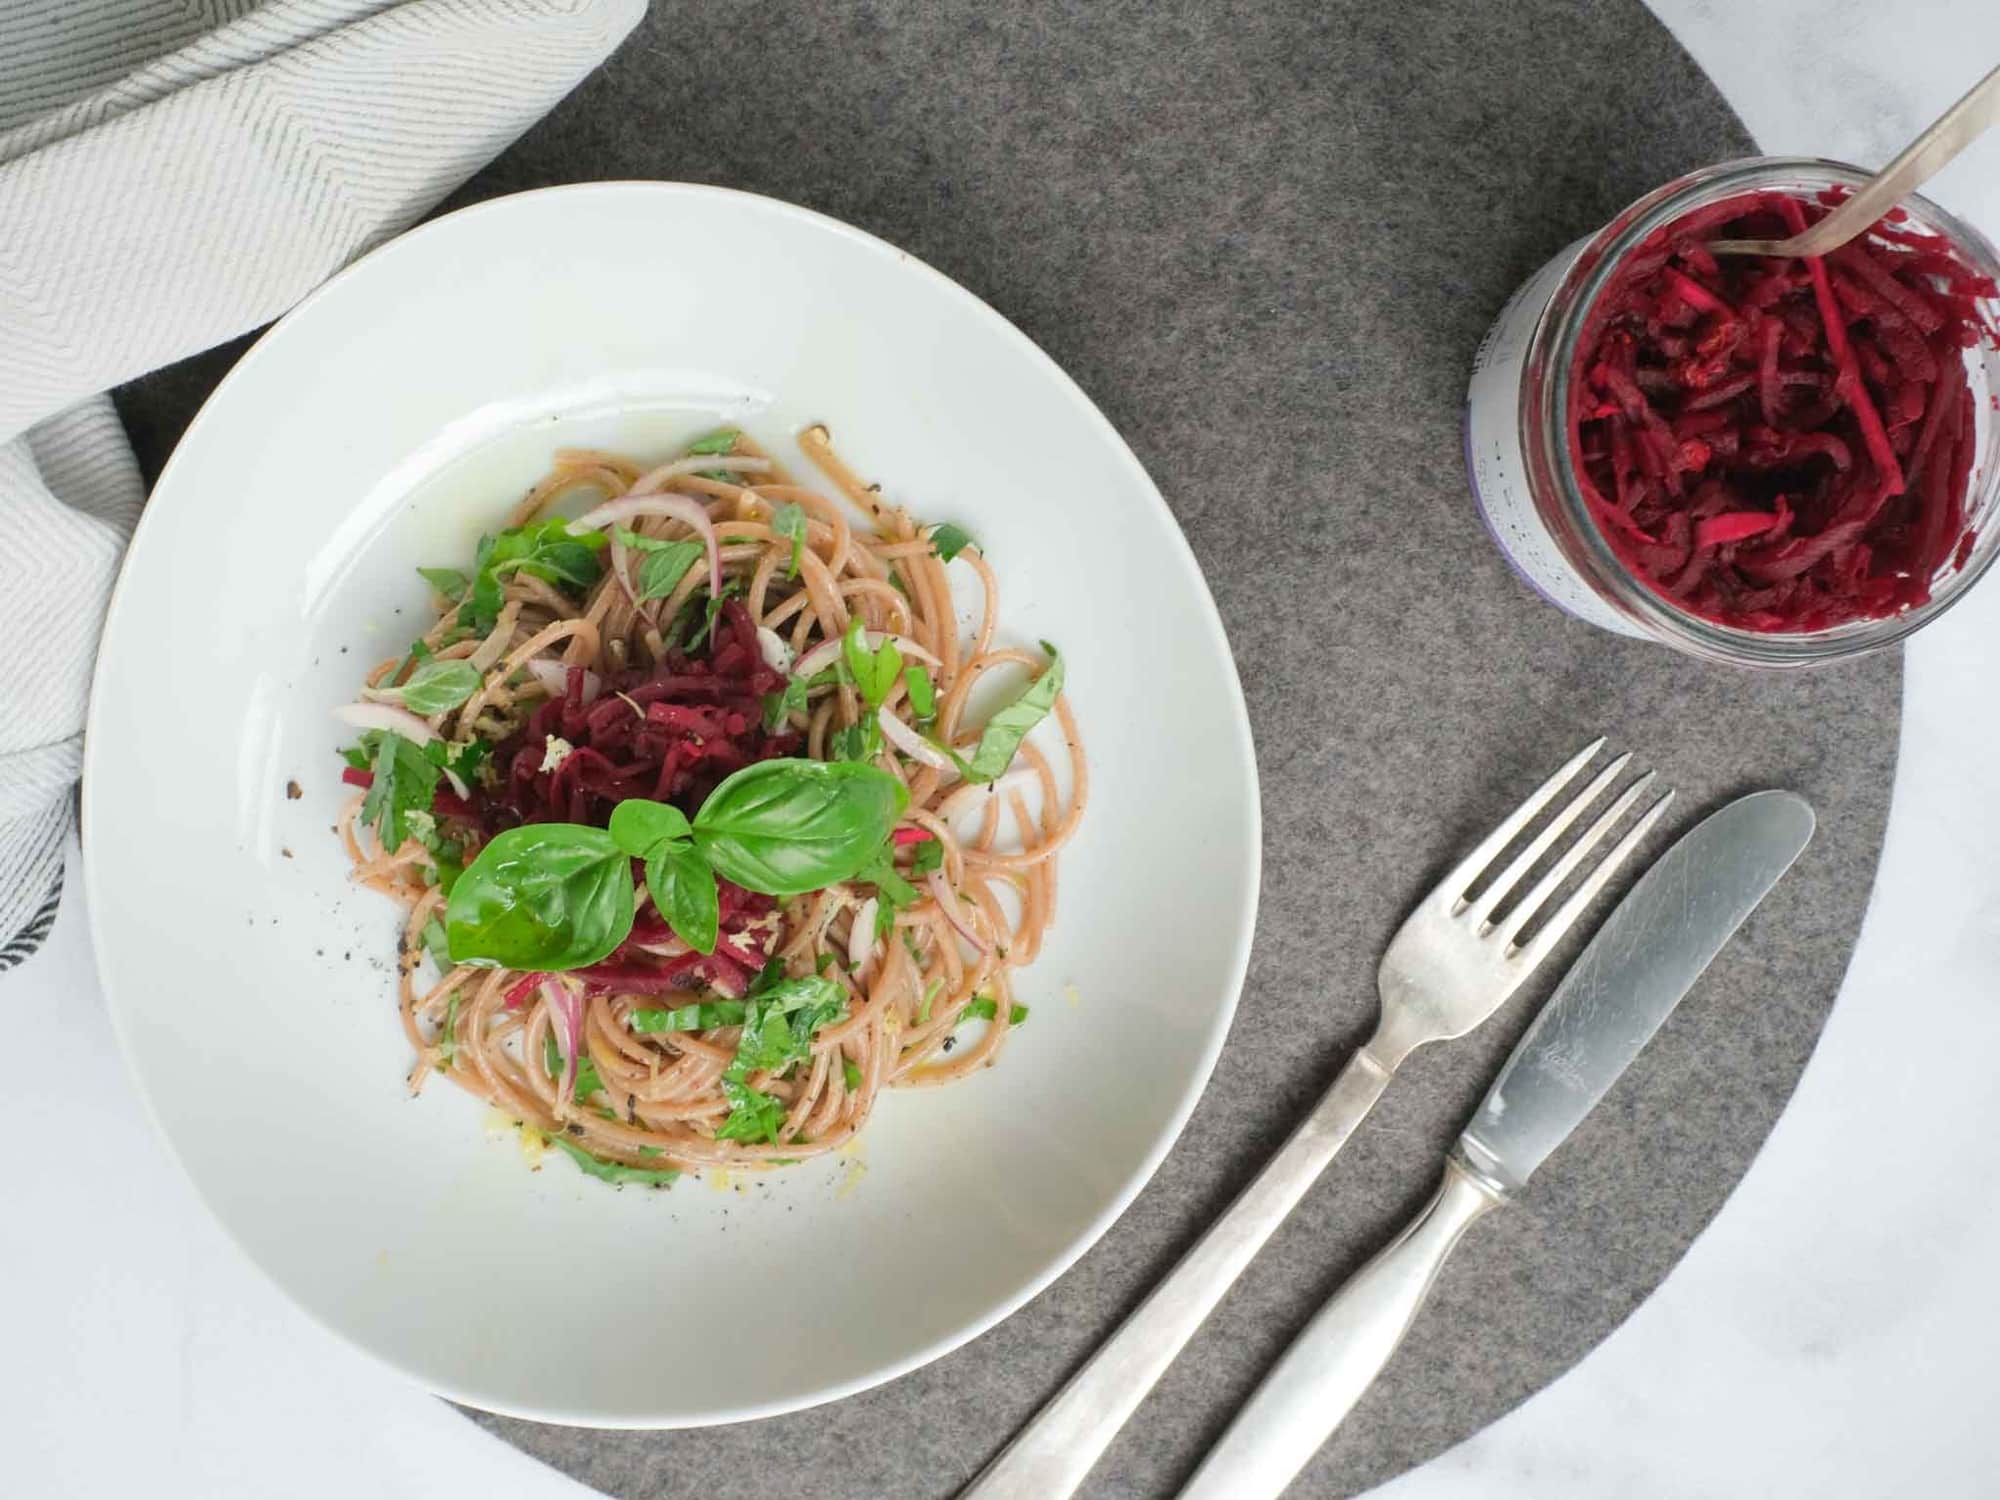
column 673, row 684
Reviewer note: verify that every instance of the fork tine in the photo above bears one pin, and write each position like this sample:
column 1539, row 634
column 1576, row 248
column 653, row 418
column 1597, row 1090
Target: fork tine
column 1523, row 862
column 1565, row 916
column 1453, row 886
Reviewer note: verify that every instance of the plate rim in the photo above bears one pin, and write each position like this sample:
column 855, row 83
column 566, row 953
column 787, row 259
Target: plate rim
column 94, row 857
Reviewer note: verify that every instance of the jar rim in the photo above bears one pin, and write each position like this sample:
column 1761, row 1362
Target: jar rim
column 1545, row 437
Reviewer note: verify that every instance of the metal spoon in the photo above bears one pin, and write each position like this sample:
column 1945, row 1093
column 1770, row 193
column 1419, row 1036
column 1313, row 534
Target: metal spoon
column 1954, row 130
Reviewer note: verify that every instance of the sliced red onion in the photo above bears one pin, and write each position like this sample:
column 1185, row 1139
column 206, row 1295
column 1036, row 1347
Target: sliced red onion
column 397, row 721
column 777, row 655
column 554, row 676
column 947, row 900
column 907, row 740
column 861, row 936
column 566, row 1015
column 621, row 569
column 689, row 513
column 824, row 654
column 658, row 479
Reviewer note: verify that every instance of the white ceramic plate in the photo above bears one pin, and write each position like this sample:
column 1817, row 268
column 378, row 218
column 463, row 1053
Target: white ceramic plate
column 384, row 423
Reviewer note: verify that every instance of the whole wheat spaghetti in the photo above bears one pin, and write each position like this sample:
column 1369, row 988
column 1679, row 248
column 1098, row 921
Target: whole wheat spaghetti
column 710, row 623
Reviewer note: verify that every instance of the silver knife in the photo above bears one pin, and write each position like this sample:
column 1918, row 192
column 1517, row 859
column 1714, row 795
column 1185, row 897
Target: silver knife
column 1645, row 957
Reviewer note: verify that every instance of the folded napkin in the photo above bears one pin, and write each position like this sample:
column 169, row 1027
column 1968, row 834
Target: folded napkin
column 174, row 173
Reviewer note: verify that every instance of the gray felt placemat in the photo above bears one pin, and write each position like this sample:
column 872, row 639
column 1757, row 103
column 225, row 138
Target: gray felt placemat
column 1244, row 231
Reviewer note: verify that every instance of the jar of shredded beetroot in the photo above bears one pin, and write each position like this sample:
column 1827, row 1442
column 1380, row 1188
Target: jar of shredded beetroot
column 1764, row 462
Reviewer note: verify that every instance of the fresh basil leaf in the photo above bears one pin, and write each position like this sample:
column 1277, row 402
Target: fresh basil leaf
column 661, row 572
column 926, row 857
column 824, row 962
column 1003, row 733
column 923, row 692
column 722, row 440
column 615, row 1172
column 789, row 520
column 357, row 756
column 850, row 1072
column 438, row 685
column 983, row 1008
column 548, row 550
column 461, row 757
column 780, row 706
column 542, row 898
column 439, row 948
column 950, row 540
column 768, row 978
column 447, row 1038
column 638, row 824
column 754, row 1116
column 683, row 888
column 881, row 872
column 703, row 1015
column 874, row 671
column 405, row 781
column 859, row 743
column 785, row 827
column 924, row 1005
column 449, row 583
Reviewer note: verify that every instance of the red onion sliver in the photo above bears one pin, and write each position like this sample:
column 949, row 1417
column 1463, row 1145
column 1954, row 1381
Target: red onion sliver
column 777, row 655
column 689, row 513
column 861, row 936
column 554, row 676
column 566, row 1015
column 621, row 569
column 823, row 655
column 655, row 480
column 907, row 740
column 947, row 900
column 966, row 796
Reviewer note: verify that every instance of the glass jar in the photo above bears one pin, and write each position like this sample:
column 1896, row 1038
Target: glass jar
column 1518, row 455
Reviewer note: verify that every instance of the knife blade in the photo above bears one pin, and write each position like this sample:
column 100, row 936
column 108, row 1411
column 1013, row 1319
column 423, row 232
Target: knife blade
column 1646, row 956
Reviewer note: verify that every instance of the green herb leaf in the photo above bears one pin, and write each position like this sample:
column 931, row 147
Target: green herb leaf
column 983, row 1008
column 449, row 583
column 713, row 607
column 851, row 1073
column 926, row 857
column 661, row 572
column 637, row 825
column 439, row 949
column 950, row 540
column 683, row 888
column 357, row 755
column 778, row 1028
column 548, row 550
column 924, row 1005
column 447, row 1040
column 722, row 440
column 612, row 1171
column 438, row 685
column 704, row 1015
column 881, row 872
column 923, row 692
column 785, row 827
column 754, row 1116
column 789, row 520
column 780, row 706
column 874, row 671
column 461, row 757
column 859, row 743
column 543, row 897
column 1003, row 733
column 405, row 781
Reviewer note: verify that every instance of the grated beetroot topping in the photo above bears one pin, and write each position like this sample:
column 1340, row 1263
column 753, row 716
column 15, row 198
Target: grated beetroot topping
column 1781, row 445
column 669, row 733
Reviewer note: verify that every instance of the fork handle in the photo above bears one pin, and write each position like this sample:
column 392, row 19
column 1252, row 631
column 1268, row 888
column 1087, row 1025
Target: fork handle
column 1329, row 1366
column 1049, row 1457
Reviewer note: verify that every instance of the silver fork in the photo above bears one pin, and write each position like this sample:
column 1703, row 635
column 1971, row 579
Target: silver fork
column 1449, row 967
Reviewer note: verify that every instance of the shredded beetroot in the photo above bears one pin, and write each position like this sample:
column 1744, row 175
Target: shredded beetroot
column 1782, row 445
column 670, row 734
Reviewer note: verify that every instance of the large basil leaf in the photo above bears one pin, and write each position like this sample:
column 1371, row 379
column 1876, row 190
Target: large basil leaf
column 785, row 827
column 545, row 897
column 1004, row 732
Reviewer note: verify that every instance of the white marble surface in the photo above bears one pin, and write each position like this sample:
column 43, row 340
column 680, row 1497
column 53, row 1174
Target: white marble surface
column 1831, row 1335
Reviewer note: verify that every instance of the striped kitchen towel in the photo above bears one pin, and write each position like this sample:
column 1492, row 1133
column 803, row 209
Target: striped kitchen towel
column 172, row 174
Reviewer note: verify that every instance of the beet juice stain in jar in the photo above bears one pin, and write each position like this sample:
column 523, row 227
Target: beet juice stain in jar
column 1758, row 461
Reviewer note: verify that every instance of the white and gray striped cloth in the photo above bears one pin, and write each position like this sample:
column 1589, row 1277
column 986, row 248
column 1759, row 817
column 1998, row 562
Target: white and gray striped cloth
column 172, row 174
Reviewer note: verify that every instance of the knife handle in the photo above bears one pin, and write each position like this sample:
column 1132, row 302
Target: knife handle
column 1049, row 1457
column 1343, row 1349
